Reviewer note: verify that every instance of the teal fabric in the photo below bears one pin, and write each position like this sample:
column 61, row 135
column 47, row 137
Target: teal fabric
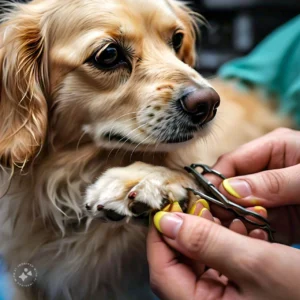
column 275, row 66
column 6, row 288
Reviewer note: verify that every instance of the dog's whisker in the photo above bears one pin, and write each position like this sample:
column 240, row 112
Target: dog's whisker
column 151, row 135
column 134, row 112
column 129, row 133
column 110, row 132
column 127, row 136
column 80, row 139
column 156, row 142
column 214, row 134
column 127, row 150
column 145, row 151
column 142, row 142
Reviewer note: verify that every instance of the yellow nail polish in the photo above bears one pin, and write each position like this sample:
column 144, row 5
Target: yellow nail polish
column 229, row 189
column 202, row 211
column 193, row 208
column 175, row 207
column 167, row 208
column 204, row 203
column 259, row 209
column 191, row 211
column 157, row 219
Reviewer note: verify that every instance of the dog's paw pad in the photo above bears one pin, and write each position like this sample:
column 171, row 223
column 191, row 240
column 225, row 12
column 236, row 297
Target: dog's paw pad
column 139, row 208
column 113, row 216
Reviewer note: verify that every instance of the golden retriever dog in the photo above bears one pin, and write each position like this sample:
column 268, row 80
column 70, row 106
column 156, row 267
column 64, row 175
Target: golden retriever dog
column 100, row 110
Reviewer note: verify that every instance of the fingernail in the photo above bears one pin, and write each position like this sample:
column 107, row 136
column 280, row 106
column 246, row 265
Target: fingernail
column 236, row 221
column 204, row 203
column 237, row 188
column 254, row 201
column 167, row 223
column 167, row 208
column 260, row 209
column 197, row 207
column 204, row 213
column 173, row 207
column 259, row 234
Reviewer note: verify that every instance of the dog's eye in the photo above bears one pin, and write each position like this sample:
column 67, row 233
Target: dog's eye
column 109, row 58
column 177, row 41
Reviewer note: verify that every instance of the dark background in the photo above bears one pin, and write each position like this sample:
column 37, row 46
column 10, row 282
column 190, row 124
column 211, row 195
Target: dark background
column 236, row 26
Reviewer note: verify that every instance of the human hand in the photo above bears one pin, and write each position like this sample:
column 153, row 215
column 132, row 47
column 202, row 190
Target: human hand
column 240, row 267
column 274, row 181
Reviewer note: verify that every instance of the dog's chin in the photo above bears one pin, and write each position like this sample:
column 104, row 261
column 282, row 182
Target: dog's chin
column 169, row 143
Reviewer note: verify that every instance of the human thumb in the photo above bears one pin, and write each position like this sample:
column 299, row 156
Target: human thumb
column 207, row 242
column 269, row 188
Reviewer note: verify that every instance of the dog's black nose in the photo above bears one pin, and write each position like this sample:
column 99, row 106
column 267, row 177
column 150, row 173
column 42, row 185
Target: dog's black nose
column 201, row 104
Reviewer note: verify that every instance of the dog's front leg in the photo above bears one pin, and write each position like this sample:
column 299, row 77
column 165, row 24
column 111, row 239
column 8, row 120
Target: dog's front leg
column 136, row 190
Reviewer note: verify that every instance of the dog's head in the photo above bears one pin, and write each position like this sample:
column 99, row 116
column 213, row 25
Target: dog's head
column 116, row 73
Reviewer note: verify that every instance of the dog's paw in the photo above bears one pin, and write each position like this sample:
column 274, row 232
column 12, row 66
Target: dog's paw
column 135, row 191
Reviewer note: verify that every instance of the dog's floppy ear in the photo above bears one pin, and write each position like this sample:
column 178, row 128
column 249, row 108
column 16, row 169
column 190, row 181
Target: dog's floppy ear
column 23, row 107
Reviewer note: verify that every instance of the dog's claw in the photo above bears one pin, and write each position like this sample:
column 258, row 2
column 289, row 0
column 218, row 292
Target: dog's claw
column 100, row 207
column 132, row 195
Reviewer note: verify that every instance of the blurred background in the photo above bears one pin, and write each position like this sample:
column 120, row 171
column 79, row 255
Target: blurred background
column 236, row 27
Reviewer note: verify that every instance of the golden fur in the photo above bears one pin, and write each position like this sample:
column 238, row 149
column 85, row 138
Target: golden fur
column 54, row 109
